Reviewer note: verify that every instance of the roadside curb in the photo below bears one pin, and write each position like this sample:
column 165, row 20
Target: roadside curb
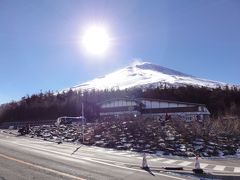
column 189, row 172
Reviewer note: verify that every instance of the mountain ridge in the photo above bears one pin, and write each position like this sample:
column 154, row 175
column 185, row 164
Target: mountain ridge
column 146, row 75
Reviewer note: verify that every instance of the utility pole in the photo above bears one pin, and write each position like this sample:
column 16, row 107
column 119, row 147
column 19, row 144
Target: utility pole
column 83, row 118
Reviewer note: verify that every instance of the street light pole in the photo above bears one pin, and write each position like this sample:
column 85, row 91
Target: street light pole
column 82, row 119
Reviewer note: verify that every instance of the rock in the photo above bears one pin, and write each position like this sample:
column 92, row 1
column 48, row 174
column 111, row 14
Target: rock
column 162, row 145
column 97, row 136
column 47, row 135
column 170, row 150
column 198, row 147
column 198, row 142
column 238, row 152
column 121, row 148
column 160, row 140
column 99, row 143
column 212, row 143
column 170, row 138
column 190, row 154
column 147, row 146
column 183, row 149
column 127, row 145
column 205, row 154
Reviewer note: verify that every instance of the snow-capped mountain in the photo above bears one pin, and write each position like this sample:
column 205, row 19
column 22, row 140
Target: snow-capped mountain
column 145, row 75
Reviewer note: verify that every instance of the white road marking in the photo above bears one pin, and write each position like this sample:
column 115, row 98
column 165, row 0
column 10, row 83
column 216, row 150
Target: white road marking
column 157, row 159
column 185, row 163
column 236, row 170
column 130, row 155
column 121, row 153
column 99, row 150
column 203, row 165
column 219, row 168
column 170, row 161
column 134, row 155
column 40, row 167
column 110, row 152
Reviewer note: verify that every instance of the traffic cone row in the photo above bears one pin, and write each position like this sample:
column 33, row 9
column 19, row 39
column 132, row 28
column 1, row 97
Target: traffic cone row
column 196, row 170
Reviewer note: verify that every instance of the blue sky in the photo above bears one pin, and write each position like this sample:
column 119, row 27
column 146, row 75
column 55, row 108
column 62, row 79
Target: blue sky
column 40, row 49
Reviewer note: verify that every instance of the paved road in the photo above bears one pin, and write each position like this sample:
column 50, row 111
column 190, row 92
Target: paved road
column 26, row 158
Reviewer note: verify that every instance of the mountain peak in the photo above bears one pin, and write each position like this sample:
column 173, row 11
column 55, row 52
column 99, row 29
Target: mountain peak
column 164, row 70
column 145, row 75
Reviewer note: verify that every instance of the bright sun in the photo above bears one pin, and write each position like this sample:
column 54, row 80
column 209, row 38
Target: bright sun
column 96, row 40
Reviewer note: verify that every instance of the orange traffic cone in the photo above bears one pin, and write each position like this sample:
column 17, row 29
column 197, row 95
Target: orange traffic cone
column 144, row 162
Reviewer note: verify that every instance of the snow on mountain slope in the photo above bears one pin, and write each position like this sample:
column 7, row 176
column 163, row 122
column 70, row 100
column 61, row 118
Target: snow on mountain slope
column 145, row 75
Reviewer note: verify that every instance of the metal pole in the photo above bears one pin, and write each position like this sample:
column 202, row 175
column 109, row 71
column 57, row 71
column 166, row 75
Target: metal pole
column 82, row 119
column 82, row 109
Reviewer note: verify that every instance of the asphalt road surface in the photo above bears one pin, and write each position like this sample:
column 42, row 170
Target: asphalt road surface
column 24, row 158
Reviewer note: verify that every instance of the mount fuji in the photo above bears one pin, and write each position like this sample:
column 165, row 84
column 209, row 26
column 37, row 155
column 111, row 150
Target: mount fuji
column 146, row 75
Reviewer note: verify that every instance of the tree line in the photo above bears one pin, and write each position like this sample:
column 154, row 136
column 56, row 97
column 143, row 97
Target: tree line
column 45, row 106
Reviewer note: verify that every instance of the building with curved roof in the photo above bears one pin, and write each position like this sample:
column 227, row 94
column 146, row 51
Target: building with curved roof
column 155, row 108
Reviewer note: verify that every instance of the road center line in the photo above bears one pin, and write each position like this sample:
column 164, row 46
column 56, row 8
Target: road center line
column 41, row 167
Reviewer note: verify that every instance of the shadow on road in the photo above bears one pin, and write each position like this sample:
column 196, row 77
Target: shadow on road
column 214, row 176
column 209, row 176
column 76, row 149
column 148, row 170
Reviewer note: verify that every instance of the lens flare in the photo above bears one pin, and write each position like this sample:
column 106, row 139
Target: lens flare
column 96, row 40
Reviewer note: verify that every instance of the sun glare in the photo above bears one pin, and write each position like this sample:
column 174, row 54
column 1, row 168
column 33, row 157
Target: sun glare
column 96, row 40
